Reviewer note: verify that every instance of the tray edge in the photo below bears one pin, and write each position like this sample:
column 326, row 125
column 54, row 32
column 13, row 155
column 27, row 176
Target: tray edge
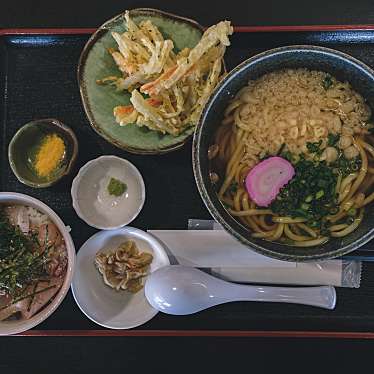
column 244, row 29
column 200, row 333
column 206, row 333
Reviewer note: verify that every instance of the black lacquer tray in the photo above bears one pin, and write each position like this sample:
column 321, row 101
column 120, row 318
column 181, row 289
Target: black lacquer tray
column 38, row 80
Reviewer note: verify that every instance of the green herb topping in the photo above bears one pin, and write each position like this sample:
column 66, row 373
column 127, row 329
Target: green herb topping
column 314, row 147
column 22, row 259
column 310, row 194
column 233, row 187
column 332, row 139
column 116, row 187
column 344, row 166
column 327, row 82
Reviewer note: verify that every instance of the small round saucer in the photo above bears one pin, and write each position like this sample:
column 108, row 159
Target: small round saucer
column 23, row 146
column 102, row 304
column 92, row 201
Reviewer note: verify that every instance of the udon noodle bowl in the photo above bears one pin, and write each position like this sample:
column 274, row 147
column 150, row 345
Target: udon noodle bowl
column 33, row 261
column 322, row 128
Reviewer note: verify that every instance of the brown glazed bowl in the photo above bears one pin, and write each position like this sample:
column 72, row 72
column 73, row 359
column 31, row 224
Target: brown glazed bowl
column 338, row 64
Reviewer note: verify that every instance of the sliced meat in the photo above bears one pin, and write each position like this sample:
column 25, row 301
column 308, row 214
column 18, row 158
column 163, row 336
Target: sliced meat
column 10, row 310
column 38, row 302
column 61, row 267
column 49, row 235
column 58, row 261
column 56, row 267
column 41, row 299
column 18, row 216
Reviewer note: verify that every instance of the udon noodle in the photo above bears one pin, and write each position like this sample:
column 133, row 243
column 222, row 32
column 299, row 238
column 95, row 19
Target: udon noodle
column 297, row 114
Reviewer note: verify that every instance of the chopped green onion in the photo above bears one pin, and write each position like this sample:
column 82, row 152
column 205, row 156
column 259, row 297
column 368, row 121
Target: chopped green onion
column 310, row 194
column 332, row 139
column 305, row 206
column 233, row 187
column 327, row 82
column 352, row 212
column 309, row 198
column 287, row 155
column 319, row 194
column 314, row 147
column 281, row 149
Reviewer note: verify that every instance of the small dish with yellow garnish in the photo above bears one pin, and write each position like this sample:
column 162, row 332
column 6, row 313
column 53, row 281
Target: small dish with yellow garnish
column 42, row 152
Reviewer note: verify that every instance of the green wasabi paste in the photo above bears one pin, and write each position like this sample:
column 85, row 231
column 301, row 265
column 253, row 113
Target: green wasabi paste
column 116, row 187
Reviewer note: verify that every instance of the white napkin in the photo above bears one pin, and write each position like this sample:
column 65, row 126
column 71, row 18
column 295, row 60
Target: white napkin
column 227, row 258
column 325, row 273
column 213, row 248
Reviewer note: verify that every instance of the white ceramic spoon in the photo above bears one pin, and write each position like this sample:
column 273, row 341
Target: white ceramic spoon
column 182, row 290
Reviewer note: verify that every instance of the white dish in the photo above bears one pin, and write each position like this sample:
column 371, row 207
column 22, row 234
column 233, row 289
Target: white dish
column 14, row 326
column 92, row 202
column 102, row 304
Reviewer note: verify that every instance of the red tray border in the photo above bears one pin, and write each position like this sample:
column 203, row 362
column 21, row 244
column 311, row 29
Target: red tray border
column 283, row 28
column 203, row 333
column 200, row 333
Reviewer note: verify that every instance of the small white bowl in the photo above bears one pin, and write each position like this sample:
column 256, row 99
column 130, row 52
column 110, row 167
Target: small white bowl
column 102, row 304
column 14, row 327
column 88, row 192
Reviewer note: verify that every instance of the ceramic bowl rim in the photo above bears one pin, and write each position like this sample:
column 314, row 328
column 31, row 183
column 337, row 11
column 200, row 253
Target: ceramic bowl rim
column 76, row 181
column 153, row 242
column 70, row 248
column 67, row 169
